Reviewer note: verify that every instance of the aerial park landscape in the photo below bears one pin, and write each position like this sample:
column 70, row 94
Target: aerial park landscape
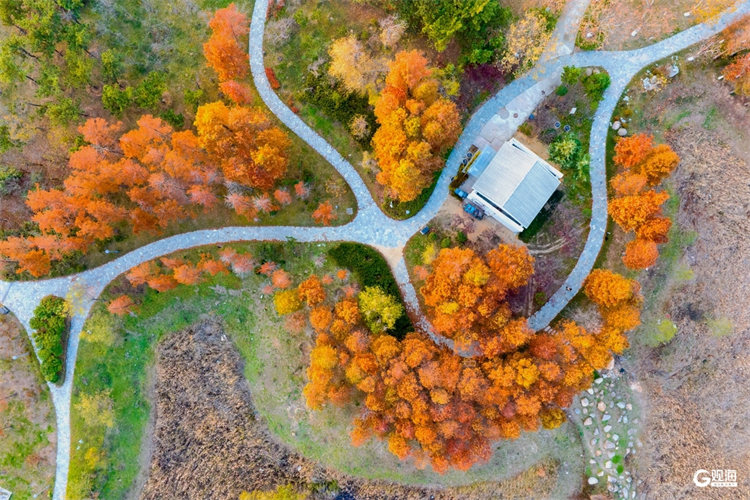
column 412, row 266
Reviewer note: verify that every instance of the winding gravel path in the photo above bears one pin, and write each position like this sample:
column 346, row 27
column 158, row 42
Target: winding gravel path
column 371, row 226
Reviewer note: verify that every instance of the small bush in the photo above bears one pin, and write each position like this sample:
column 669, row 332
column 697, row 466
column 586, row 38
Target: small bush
column 9, row 178
column 446, row 242
column 595, row 84
column 149, row 91
column 50, row 325
column 526, row 129
column 371, row 269
column 272, row 80
column 193, row 98
column 660, row 332
column 570, row 75
column 174, row 119
column 461, row 238
column 561, row 90
column 116, row 100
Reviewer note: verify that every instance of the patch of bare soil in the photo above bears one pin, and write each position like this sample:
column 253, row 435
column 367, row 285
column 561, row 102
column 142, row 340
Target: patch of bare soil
column 698, row 398
column 209, row 443
column 629, row 24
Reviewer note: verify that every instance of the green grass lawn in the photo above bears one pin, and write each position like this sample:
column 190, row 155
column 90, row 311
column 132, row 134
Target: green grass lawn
column 116, row 356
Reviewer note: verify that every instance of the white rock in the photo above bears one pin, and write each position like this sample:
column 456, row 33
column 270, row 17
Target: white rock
column 621, row 405
column 616, row 125
column 573, row 111
column 584, row 401
column 606, row 417
column 634, row 32
column 593, row 480
column 628, row 407
column 607, row 428
column 601, row 406
column 608, row 465
column 593, row 441
column 596, row 431
column 609, row 445
column 615, row 437
column 625, row 419
column 687, row 14
column 588, row 422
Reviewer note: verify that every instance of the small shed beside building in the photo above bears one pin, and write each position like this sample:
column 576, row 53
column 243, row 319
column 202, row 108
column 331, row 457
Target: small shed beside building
column 514, row 185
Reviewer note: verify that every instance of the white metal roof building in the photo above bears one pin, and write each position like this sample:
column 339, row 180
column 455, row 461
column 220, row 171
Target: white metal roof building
column 514, row 186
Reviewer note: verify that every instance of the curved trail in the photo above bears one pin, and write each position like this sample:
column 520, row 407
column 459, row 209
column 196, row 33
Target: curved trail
column 371, row 226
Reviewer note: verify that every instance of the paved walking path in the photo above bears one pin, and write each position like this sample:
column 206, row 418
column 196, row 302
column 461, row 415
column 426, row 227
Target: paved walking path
column 371, row 226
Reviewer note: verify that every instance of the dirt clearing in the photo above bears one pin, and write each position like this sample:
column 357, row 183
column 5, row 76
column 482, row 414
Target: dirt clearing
column 695, row 387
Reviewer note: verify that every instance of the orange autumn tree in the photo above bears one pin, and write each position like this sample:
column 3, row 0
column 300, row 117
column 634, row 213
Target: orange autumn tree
column 435, row 406
column 142, row 180
column 736, row 40
column 324, row 214
column 121, row 305
column 738, row 72
column 416, row 127
column 223, row 50
column 465, row 296
column 635, row 208
column 250, row 149
column 619, row 302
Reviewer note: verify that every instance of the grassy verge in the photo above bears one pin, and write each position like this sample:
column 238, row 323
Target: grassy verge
column 27, row 418
column 116, row 354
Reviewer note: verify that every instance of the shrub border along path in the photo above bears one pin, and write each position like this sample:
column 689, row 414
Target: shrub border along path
column 371, row 226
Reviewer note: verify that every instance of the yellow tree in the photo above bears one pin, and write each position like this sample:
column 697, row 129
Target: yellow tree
column 526, row 39
column 353, row 65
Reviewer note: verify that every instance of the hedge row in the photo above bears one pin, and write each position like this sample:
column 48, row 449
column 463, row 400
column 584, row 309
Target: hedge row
column 50, row 325
column 371, row 269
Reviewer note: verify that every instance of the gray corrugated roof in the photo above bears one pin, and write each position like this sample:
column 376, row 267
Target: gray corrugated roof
column 518, row 181
column 531, row 195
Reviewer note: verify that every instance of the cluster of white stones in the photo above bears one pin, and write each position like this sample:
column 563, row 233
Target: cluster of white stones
column 609, row 425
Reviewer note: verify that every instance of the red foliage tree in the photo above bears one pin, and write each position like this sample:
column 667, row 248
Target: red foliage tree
column 324, row 214
column 120, row 305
